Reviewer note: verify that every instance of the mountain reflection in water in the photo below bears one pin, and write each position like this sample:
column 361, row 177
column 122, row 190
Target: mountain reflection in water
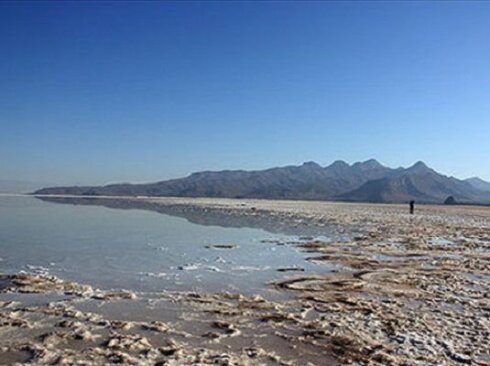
column 215, row 216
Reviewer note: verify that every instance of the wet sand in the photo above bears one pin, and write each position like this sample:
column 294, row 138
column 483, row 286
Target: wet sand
column 408, row 290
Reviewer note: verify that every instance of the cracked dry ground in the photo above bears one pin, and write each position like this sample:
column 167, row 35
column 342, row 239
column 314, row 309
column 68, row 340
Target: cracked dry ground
column 411, row 290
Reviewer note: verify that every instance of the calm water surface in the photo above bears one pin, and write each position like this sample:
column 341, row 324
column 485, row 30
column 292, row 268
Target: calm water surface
column 137, row 249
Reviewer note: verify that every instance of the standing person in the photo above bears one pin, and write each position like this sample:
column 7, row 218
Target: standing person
column 412, row 206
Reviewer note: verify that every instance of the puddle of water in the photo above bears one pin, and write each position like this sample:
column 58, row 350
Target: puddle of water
column 145, row 251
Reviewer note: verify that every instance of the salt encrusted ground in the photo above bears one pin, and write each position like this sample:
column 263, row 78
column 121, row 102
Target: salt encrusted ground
column 409, row 290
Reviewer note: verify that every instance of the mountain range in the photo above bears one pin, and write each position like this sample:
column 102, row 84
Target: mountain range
column 367, row 181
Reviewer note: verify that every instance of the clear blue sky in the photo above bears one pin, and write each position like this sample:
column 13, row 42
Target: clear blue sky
column 100, row 92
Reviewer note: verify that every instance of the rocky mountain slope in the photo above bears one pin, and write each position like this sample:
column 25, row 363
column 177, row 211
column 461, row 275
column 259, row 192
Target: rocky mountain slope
column 479, row 183
column 367, row 181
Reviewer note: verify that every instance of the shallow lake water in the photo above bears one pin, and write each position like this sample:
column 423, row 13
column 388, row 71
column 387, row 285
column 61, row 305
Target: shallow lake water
column 140, row 250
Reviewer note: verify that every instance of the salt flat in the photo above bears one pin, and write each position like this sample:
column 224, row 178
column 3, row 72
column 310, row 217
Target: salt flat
column 406, row 290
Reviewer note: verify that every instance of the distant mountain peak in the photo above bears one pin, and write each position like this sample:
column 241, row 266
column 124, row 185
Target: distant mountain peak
column 420, row 163
column 475, row 179
column 419, row 167
column 478, row 183
column 372, row 163
column 338, row 164
column 311, row 164
column 368, row 165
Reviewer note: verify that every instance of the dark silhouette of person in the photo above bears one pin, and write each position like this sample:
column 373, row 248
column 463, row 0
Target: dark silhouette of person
column 412, row 206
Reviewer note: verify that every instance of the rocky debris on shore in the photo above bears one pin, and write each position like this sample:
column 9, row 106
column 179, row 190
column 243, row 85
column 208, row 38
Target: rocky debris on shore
column 157, row 326
column 40, row 283
column 57, row 332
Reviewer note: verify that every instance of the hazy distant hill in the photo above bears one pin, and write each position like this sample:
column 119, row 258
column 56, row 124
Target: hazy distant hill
column 479, row 183
column 363, row 181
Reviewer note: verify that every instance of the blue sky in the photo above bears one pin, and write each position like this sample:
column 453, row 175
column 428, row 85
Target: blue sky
column 100, row 92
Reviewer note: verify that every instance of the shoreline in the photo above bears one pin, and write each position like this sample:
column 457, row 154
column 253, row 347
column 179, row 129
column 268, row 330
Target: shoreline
column 205, row 199
column 408, row 287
